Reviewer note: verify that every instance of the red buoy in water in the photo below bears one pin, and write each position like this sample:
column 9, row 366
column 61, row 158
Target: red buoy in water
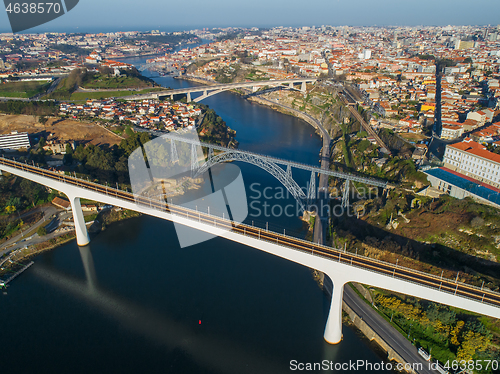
column 200, row 322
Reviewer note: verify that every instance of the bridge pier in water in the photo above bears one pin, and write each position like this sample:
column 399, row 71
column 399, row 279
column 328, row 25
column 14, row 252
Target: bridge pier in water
column 333, row 328
column 82, row 235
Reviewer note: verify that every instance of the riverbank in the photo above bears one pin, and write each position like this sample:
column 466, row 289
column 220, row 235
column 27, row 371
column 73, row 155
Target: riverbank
column 370, row 330
column 20, row 256
column 358, row 313
column 292, row 112
column 362, row 318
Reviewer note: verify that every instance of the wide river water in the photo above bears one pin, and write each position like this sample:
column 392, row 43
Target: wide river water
column 134, row 302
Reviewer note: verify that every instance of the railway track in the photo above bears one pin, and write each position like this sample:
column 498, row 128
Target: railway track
column 393, row 270
column 360, row 119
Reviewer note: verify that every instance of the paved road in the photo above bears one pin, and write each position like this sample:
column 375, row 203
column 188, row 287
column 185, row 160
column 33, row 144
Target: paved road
column 38, row 239
column 47, row 212
column 54, row 85
column 323, row 200
column 14, row 99
column 56, row 222
column 384, row 329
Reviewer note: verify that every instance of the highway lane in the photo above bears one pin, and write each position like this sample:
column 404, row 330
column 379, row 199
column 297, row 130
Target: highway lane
column 397, row 272
column 384, row 329
column 58, row 217
column 46, row 211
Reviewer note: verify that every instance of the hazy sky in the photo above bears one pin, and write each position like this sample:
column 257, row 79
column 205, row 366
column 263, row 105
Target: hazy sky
column 108, row 15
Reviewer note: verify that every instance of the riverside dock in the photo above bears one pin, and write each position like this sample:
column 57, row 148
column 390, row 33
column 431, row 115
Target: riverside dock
column 4, row 284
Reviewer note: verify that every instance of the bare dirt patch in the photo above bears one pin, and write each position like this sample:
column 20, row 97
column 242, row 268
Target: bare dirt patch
column 61, row 129
column 413, row 137
column 427, row 224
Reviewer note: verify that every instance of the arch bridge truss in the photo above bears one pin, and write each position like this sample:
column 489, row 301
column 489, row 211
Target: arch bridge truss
column 279, row 168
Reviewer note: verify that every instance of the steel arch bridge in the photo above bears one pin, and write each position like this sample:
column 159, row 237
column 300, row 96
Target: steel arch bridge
column 270, row 164
column 285, row 177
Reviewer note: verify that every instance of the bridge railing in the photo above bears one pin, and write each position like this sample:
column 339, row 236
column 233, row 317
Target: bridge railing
column 395, row 276
column 314, row 251
column 113, row 192
column 228, row 86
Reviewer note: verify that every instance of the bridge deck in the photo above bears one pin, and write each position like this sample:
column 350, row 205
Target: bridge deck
column 218, row 87
column 448, row 286
column 230, row 86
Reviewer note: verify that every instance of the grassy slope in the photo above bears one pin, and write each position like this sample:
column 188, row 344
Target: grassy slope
column 111, row 82
column 98, row 95
column 23, row 89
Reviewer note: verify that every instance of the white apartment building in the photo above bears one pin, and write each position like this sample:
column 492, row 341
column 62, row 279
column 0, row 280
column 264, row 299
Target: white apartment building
column 14, row 141
column 473, row 160
column 451, row 131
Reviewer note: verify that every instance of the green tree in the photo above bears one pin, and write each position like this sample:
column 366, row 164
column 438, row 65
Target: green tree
column 69, row 149
column 42, row 231
column 32, row 191
column 363, row 145
column 14, row 202
column 68, row 157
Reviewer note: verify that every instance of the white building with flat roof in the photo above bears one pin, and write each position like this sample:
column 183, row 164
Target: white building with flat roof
column 14, row 141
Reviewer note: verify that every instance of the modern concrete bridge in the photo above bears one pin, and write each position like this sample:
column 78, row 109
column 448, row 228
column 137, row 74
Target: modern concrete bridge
column 208, row 91
column 340, row 266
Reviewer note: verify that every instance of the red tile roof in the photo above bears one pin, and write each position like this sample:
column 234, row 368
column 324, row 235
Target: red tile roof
column 476, row 149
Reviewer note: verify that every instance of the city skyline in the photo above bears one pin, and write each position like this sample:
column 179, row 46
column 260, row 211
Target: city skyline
column 93, row 16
